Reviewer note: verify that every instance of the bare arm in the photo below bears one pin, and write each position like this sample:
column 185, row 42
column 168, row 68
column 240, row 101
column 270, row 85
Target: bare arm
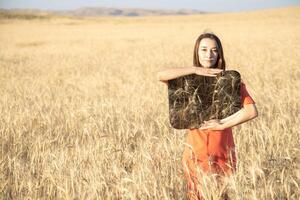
column 222, row 121
column 247, row 113
column 172, row 73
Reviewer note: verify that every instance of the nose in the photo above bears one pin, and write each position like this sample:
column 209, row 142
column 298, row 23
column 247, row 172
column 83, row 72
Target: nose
column 208, row 54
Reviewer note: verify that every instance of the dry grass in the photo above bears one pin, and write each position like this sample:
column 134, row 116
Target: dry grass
column 83, row 116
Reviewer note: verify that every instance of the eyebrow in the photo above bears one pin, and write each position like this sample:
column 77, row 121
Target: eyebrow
column 204, row 47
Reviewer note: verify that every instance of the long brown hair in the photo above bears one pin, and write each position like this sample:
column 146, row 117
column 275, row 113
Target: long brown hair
column 220, row 62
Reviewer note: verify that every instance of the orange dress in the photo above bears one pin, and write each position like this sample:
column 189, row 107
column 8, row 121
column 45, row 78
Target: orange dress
column 210, row 151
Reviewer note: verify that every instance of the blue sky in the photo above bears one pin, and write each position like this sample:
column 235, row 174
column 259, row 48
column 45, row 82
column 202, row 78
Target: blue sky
column 203, row 5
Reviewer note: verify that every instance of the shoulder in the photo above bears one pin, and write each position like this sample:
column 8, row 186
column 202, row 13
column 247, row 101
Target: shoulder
column 242, row 82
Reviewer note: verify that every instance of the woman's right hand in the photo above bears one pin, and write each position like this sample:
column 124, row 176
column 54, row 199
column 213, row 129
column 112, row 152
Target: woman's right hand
column 207, row 71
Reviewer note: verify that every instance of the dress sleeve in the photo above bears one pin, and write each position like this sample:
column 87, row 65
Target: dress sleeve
column 245, row 97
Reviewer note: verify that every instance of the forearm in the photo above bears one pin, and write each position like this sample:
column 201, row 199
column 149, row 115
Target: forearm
column 173, row 73
column 230, row 117
column 245, row 114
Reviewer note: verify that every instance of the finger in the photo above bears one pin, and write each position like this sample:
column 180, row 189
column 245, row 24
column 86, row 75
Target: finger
column 204, row 128
column 207, row 127
column 213, row 72
column 209, row 75
column 217, row 70
column 211, row 124
column 203, row 125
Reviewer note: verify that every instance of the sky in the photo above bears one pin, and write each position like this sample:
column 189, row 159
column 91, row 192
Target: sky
column 201, row 5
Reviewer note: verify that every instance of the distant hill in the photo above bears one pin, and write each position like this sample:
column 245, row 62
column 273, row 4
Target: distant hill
column 92, row 12
column 102, row 11
column 24, row 14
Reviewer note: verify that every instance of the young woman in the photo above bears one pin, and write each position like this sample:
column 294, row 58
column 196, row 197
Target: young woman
column 211, row 147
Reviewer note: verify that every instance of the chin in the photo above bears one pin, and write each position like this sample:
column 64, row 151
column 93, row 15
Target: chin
column 208, row 65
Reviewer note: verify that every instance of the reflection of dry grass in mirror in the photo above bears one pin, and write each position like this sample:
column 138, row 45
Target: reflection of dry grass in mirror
column 193, row 98
column 84, row 117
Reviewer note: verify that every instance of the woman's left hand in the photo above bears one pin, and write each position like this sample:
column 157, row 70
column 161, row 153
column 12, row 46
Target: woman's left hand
column 213, row 124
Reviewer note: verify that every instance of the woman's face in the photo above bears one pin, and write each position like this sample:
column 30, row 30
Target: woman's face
column 208, row 52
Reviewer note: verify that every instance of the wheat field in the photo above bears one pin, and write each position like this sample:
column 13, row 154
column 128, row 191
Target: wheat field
column 83, row 115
